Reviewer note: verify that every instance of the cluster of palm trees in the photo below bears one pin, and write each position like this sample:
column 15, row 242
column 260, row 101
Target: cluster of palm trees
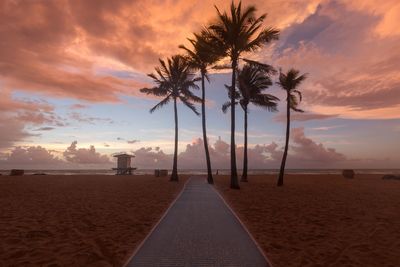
column 232, row 35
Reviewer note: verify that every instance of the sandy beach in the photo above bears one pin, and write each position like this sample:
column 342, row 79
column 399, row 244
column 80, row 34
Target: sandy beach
column 78, row 220
column 321, row 220
column 314, row 220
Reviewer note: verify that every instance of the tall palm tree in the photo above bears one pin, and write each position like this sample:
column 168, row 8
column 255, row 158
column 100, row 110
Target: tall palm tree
column 201, row 57
column 239, row 32
column 252, row 81
column 289, row 82
column 173, row 80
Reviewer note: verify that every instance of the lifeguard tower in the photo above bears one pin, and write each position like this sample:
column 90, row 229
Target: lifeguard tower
column 124, row 164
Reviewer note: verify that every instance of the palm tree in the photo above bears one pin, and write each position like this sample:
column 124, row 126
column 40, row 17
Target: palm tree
column 237, row 33
column 289, row 82
column 201, row 57
column 252, row 81
column 174, row 79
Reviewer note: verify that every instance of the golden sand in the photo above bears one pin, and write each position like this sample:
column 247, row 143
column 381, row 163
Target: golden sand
column 321, row 220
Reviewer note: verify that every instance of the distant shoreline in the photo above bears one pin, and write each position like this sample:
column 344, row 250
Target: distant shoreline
column 203, row 172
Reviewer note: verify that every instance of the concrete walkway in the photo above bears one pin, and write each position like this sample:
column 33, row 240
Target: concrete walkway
column 198, row 230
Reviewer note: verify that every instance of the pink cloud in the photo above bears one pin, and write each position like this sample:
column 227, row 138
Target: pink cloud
column 28, row 111
column 303, row 152
column 307, row 149
column 351, row 77
column 11, row 131
column 149, row 158
column 32, row 156
column 55, row 48
column 84, row 155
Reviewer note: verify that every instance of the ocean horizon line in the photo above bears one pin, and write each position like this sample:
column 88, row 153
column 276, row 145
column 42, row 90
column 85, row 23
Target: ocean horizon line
column 200, row 171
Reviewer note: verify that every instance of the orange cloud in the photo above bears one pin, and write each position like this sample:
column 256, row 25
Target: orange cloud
column 57, row 47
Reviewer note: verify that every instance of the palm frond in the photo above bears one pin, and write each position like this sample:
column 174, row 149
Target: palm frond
column 262, row 66
column 174, row 79
column 299, row 94
column 225, row 106
column 163, row 102
column 290, row 80
column 190, row 96
column 266, row 101
column 240, row 31
column 221, row 67
column 189, row 104
column 294, row 103
column 157, row 91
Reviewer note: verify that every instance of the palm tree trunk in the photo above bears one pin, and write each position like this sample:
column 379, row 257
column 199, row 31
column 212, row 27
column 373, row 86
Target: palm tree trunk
column 244, row 174
column 174, row 175
column 282, row 169
column 203, row 120
column 234, row 176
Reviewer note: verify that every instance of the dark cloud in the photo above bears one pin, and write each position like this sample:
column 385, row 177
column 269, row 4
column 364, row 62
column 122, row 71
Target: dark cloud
column 303, row 117
column 306, row 31
column 45, row 128
column 87, row 119
column 132, row 141
column 78, row 106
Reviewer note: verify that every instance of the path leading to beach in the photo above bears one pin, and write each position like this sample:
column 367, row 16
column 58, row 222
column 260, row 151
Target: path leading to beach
column 198, row 230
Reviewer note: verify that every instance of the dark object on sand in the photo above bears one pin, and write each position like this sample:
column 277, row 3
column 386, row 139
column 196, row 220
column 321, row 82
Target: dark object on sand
column 15, row 172
column 391, row 177
column 39, row 173
column 348, row 174
column 160, row 173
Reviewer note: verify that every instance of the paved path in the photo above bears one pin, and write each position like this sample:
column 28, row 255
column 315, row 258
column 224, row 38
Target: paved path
column 198, row 230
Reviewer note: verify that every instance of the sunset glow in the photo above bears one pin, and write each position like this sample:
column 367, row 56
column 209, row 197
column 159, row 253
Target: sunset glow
column 71, row 71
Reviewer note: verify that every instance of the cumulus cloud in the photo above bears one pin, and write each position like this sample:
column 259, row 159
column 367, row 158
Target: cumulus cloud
column 84, row 155
column 149, row 158
column 307, row 149
column 30, row 157
column 303, row 153
column 39, row 157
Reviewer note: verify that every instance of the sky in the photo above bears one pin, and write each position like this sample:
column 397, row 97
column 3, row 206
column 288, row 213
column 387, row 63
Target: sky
column 70, row 74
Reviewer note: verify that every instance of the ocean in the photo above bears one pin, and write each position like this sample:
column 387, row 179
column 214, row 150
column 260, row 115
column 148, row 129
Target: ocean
column 202, row 172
